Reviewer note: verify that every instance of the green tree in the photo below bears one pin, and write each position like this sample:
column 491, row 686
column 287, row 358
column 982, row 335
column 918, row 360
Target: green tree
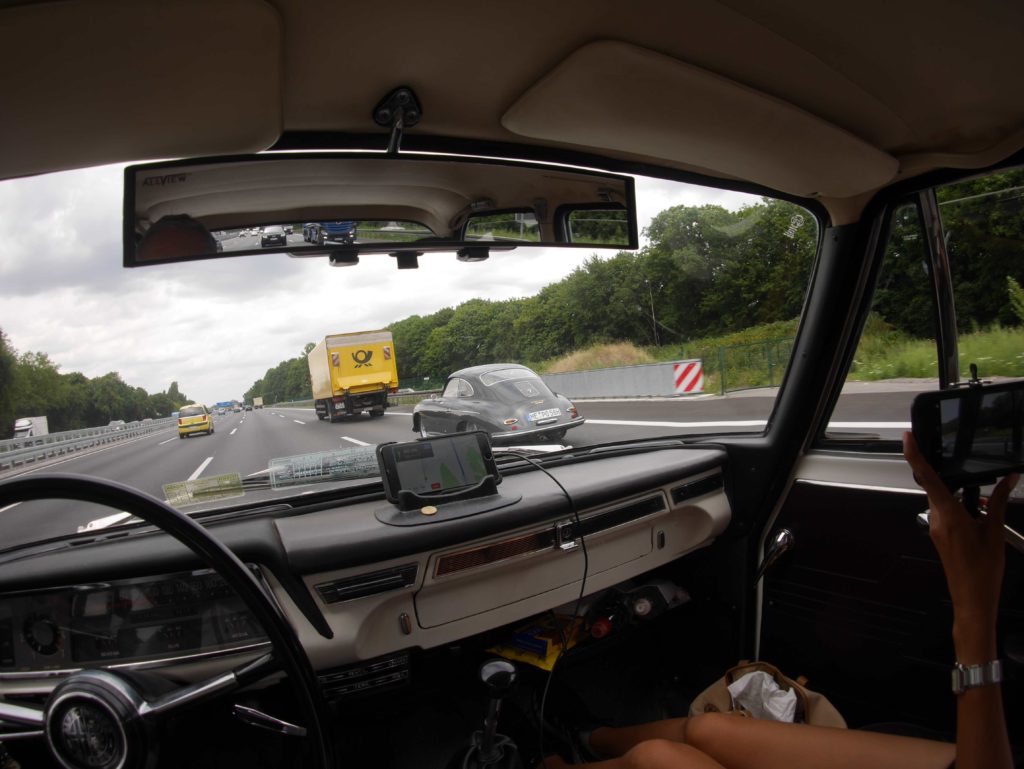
column 8, row 363
column 1016, row 297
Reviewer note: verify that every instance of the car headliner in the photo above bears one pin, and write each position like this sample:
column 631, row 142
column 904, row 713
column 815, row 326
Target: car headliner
column 830, row 100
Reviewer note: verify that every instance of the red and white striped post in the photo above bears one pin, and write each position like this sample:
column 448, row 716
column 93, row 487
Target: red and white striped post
column 688, row 377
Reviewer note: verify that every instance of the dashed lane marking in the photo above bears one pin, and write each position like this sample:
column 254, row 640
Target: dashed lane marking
column 161, row 443
column 355, row 441
column 199, row 470
column 298, row 421
column 233, row 431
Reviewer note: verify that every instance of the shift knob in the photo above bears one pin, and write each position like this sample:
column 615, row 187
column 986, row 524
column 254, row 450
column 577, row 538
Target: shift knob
column 498, row 677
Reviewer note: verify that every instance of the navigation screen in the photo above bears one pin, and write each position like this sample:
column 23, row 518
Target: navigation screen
column 440, row 465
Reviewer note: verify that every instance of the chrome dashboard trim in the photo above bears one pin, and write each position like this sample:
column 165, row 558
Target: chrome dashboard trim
column 860, row 486
column 27, row 675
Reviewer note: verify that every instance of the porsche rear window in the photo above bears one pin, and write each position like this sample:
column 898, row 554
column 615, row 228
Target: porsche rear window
column 529, row 388
column 505, row 375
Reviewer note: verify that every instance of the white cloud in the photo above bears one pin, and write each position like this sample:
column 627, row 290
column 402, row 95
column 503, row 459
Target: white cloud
column 216, row 327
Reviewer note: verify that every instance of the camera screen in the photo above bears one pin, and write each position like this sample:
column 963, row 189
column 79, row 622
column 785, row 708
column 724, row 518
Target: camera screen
column 981, row 429
column 439, row 465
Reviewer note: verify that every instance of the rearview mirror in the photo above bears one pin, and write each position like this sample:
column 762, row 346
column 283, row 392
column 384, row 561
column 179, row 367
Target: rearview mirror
column 343, row 205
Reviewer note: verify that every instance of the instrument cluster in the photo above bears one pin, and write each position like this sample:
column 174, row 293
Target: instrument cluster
column 124, row 621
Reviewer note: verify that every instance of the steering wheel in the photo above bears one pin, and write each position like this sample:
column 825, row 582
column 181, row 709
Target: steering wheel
column 99, row 719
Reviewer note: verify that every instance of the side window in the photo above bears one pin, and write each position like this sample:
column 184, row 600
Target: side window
column 983, row 225
column 465, row 389
column 979, row 224
column 451, row 390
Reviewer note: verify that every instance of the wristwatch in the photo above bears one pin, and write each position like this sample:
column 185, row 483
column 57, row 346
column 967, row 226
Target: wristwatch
column 970, row 676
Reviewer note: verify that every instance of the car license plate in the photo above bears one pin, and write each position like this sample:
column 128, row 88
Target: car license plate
column 533, row 416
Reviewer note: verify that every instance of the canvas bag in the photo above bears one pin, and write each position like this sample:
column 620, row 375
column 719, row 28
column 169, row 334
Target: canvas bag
column 811, row 708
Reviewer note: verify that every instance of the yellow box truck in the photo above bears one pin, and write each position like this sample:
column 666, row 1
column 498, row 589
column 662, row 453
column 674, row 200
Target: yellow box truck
column 353, row 373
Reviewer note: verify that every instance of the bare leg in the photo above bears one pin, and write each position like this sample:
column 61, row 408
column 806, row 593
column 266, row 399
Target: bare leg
column 747, row 743
column 651, row 754
column 616, row 741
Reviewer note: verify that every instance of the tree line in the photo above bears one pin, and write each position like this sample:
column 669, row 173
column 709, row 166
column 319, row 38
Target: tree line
column 708, row 271
column 32, row 385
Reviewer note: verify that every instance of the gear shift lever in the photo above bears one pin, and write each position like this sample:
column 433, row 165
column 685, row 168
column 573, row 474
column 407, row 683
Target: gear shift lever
column 488, row 749
column 498, row 677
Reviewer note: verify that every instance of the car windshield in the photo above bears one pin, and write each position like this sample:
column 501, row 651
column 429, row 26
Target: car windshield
column 304, row 368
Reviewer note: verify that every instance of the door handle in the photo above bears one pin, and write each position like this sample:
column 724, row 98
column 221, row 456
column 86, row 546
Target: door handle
column 779, row 545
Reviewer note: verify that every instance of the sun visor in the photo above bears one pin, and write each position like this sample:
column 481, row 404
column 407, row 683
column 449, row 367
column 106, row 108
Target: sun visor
column 616, row 96
column 141, row 79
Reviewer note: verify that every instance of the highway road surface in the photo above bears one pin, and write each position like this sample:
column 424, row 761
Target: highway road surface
column 245, row 442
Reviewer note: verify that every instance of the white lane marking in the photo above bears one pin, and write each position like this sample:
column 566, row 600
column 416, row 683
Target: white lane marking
column 200, row 469
column 875, row 425
column 298, row 421
column 105, row 522
column 749, row 423
column 398, row 414
column 13, row 504
column 258, row 472
column 354, row 440
column 281, row 415
column 233, row 431
column 161, row 443
column 634, row 423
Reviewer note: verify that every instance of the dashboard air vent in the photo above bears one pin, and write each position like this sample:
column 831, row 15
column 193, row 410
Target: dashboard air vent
column 363, row 585
column 697, row 488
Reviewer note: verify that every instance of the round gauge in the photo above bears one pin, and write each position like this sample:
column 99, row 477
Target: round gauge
column 41, row 633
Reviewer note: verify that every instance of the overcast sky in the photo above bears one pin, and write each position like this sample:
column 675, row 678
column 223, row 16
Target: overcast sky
column 216, row 327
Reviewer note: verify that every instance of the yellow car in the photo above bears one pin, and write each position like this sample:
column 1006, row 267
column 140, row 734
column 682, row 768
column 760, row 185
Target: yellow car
column 194, row 419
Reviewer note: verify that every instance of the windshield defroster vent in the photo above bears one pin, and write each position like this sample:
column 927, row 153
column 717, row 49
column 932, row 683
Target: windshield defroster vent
column 363, row 585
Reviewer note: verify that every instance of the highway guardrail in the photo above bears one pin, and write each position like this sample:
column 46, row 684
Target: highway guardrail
column 16, row 452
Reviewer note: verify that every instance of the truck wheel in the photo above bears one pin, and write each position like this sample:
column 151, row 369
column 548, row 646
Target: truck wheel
column 376, row 412
column 181, row 435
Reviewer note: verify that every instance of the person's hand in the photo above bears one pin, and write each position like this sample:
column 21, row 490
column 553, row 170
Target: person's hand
column 973, row 554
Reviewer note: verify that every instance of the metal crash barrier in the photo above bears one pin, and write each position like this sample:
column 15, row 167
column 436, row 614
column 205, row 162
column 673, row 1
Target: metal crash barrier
column 16, row 452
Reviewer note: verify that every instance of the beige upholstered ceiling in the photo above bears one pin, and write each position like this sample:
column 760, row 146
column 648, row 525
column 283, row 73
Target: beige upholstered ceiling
column 833, row 99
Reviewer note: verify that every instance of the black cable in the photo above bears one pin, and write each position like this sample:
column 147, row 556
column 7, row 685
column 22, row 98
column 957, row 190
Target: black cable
column 579, row 599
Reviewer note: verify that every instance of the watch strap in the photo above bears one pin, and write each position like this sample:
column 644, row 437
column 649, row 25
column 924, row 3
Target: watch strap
column 971, row 676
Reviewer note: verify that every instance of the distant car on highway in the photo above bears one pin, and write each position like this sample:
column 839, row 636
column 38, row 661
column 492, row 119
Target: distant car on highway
column 322, row 233
column 248, row 407
column 116, row 424
column 195, row 418
column 273, row 236
column 507, row 400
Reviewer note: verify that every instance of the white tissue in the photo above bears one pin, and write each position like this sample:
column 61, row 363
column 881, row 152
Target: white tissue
column 758, row 693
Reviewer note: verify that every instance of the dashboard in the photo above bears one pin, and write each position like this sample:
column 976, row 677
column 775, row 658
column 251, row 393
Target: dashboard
column 364, row 585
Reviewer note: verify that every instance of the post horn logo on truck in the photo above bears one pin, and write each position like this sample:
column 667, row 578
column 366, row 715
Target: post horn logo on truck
column 362, row 357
